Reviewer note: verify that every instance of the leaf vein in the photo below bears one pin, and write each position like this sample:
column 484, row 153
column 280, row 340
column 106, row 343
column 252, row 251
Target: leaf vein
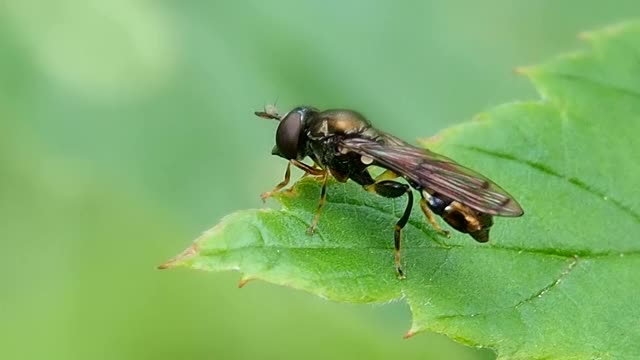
column 424, row 228
column 572, row 264
column 551, row 172
column 537, row 295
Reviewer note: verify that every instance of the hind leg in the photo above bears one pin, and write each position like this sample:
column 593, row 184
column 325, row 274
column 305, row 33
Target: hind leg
column 394, row 189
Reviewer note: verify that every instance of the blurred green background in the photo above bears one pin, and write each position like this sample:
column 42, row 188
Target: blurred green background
column 126, row 129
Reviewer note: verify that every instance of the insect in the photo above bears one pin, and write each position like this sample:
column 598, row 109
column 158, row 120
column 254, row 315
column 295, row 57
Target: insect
column 343, row 144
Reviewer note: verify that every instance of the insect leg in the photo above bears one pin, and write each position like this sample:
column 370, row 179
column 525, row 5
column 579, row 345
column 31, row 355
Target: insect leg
column 287, row 176
column 386, row 175
column 394, row 189
column 430, row 217
column 323, row 197
column 315, row 168
column 309, row 170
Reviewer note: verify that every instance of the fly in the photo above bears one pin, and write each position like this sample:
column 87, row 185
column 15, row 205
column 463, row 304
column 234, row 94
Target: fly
column 343, row 144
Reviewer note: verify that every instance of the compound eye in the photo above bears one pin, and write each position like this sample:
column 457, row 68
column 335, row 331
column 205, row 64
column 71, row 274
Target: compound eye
column 288, row 135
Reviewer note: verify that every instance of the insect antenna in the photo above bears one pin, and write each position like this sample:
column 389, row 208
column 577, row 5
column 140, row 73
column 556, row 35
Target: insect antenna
column 270, row 112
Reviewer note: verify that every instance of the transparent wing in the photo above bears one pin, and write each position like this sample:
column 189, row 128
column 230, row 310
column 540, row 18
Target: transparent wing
column 437, row 173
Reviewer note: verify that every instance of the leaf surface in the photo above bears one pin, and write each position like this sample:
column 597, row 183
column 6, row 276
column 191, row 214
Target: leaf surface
column 562, row 282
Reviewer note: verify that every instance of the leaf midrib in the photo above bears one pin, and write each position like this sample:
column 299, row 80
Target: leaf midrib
column 489, row 247
column 442, row 245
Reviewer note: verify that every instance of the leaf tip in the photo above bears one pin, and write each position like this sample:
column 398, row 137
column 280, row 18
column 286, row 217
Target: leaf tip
column 410, row 334
column 187, row 254
column 415, row 329
column 523, row 70
column 194, row 249
column 244, row 281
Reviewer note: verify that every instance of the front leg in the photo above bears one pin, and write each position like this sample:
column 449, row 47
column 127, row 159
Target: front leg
column 308, row 170
column 323, row 198
column 287, row 176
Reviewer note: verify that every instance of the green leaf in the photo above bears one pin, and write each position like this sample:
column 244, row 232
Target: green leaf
column 561, row 282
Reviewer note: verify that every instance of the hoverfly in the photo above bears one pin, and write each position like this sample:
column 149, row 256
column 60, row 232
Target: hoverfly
column 343, row 144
